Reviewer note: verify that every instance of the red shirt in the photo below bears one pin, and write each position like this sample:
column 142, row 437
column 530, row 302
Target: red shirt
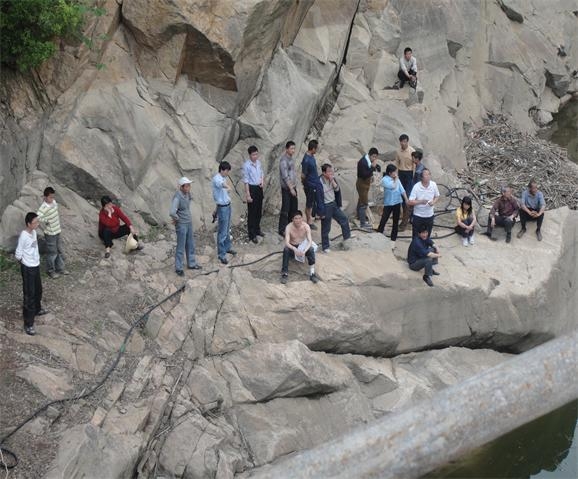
column 111, row 222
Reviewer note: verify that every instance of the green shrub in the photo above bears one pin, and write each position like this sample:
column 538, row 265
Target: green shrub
column 29, row 29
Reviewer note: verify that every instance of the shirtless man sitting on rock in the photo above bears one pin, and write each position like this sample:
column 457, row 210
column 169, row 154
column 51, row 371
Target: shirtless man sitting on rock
column 298, row 245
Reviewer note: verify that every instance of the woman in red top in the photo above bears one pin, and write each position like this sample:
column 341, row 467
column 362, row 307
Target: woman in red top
column 109, row 226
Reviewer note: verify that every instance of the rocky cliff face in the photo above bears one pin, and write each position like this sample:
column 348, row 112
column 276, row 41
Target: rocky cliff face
column 239, row 370
column 172, row 87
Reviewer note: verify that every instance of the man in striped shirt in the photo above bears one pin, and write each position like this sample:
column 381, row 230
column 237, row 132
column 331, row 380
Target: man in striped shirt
column 50, row 221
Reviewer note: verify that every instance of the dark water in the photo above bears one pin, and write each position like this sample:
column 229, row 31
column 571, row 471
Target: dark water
column 545, row 448
column 564, row 130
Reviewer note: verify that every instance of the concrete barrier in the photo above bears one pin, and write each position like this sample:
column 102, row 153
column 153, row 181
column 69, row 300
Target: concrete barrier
column 451, row 424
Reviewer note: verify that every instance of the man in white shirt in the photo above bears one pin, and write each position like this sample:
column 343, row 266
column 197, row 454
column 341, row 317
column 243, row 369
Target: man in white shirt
column 29, row 257
column 407, row 69
column 424, row 195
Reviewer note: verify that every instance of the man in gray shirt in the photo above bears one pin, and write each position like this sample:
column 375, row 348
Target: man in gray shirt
column 331, row 209
column 532, row 207
column 288, row 181
column 183, row 221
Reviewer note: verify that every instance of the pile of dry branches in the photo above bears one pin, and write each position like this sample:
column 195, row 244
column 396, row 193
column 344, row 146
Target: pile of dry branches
column 498, row 154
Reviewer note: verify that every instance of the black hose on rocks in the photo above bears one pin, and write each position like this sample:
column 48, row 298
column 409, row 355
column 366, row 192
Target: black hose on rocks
column 141, row 321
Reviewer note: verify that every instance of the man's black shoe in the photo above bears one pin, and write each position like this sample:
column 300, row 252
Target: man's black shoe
column 223, row 260
column 254, row 240
column 42, row 312
column 284, row 278
column 30, row 331
column 232, row 252
column 180, row 272
column 435, row 273
column 195, row 267
column 508, row 237
column 261, row 234
column 427, row 280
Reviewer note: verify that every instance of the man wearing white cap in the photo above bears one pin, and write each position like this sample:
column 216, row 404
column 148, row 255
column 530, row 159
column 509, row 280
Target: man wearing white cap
column 183, row 221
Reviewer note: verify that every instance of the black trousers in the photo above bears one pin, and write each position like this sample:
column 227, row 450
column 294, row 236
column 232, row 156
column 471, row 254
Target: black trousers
column 32, row 293
column 387, row 210
column 424, row 263
column 107, row 235
column 525, row 217
column 416, row 223
column 254, row 211
column 403, row 78
column 289, row 206
column 289, row 253
column 504, row 221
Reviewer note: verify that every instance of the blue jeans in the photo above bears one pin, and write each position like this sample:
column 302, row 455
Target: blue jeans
column 333, row 212
column 185, row 245
column 224, row 225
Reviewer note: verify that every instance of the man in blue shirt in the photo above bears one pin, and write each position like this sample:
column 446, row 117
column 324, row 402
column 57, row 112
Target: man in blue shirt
column 393, row 197
column 532, row 207
column 423, row 253
column 223, row 201
column 311, row 183
column 253, row 178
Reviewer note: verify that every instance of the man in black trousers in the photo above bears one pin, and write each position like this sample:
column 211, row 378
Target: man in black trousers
column 253, row 178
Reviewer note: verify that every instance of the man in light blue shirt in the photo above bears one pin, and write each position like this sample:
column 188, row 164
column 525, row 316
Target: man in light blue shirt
column 393, row 197
column 253, row 178
column 223, row 201
column 532, row 207
column 182, row 219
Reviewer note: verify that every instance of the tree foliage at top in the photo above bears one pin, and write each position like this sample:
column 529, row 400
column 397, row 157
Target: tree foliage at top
column 29, row 29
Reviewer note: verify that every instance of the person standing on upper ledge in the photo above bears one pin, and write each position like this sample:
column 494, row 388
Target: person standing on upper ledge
column 288, row 180
column 50, row 221
column 407, row 69
column 311, row 184
column 503, row 213
column 223, row 202
column 423, row 254
column 331, row 209
column 532, row 207
column 183, row 220
column 404, row 162
column 254, row 179
column 365, row 168
column 424, row 195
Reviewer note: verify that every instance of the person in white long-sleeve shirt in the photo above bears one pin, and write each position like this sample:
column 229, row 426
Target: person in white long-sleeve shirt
column 407, row 69
column 28, row 255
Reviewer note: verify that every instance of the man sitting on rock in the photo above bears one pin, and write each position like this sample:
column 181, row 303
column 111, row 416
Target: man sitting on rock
column 503, row 213
column 331, row 208
column 298, row 245
column 423, row 254
column 407, row 69
column 532, row 207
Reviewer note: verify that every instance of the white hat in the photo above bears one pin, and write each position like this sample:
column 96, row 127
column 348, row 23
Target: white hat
column 184, row 181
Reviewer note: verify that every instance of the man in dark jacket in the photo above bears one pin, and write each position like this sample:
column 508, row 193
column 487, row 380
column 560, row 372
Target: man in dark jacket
column 503, row 213
column 423, row 254
column 331, row 208
column 365, row 168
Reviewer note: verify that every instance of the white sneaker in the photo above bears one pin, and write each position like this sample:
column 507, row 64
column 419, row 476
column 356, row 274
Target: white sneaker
column 465, row 242
column 471, row 240
column 327, row 251
column 393, row 245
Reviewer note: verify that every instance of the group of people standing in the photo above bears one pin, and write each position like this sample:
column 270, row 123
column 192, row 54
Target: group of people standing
column 409, row 195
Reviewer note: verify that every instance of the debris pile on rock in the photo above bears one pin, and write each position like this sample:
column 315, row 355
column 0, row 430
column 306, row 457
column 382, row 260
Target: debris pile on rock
column 497, row 154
